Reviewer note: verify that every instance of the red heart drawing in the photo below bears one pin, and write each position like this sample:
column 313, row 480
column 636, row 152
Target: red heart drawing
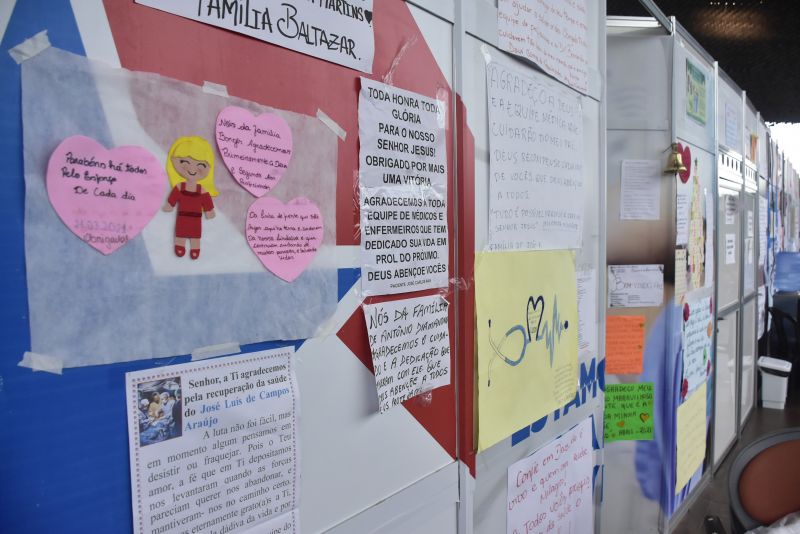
column 686, row 157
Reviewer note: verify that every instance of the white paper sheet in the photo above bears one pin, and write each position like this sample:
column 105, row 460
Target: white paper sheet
column 640, row 194
column 403, row 190
column 697, row 334
column 214, row 444
column 587, row 312
column 553, row 34
column 536, row 161
column 731, row 208
column 683, row 200
column 680, row 274
column 153, row 303
column 339, row 32
column 410, row 344
column 730, row 249
column 551, row 490
column 763, row 214
column 635, row 286
column 733, row 137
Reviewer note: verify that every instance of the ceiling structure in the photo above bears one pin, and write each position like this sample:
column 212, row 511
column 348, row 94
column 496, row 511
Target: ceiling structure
column 756, row 43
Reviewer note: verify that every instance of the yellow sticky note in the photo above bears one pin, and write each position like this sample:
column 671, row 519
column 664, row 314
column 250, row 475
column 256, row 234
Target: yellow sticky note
column 691, row 437
column 624, row 344
column 527, row 309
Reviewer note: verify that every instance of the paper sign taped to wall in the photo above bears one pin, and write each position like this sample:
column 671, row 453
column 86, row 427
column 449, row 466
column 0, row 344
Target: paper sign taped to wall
column 551, row 490
column 339, row 32
column 635, row 286
column 628, row 412
column 624, row 344
column 640, row 191
column 527, row 311
column 410, row 344
column 697, row 334
column 227, row 424
column 691, row 437
column 587, row 311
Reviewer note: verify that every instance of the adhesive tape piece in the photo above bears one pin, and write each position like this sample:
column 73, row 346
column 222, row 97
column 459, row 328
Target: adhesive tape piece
column 212, row 351
column 215, row 89
column 30, row 47
column 42, row 362
column 330, row 123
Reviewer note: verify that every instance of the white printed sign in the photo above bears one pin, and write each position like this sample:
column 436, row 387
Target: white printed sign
column 640, row 191
column 402, row 137
column 410, row 344
column 403, row 187
column 214, row 445
column 683, row 200
column 697, row 333
column 587, row 312
column 635, row 286
column 336, row 31
column 536, row 186
column 550, row 491
column 730, row 249
column 552, row 34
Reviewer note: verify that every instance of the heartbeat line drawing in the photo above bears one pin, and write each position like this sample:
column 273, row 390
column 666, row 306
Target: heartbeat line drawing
column 533, row 331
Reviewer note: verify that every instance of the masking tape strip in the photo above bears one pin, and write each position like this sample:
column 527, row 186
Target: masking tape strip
column 30, row 47
column 42, row 362
column 215, row 89
column 212, row 351
column 330, row 123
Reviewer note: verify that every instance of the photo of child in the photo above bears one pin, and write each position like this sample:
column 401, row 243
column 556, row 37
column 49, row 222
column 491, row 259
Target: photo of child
column 159, row 408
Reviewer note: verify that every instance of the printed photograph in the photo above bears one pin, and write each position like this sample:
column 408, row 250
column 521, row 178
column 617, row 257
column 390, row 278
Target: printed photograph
column 160, row 410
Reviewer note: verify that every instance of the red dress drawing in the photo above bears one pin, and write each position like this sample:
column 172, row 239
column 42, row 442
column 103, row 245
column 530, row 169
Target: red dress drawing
column 191, row 205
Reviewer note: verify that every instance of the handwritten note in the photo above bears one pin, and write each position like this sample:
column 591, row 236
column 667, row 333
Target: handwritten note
column 635, row 286
column 527, row 313
column 410, row 344
column 681, row 274
column 640, row 192
column 285, row 237
column 624, row 344
column 587, row 311
column 683, row 198
column 105, row 197
column 256, row 150
column 551, row 490
column 553, row 34
column 535, row 162
column 733, row 134
column 403, row 190
column 698, row 329
column 690, row 437
column 730, row 249
column 339, row 32
column 628, row 412
column 731, row 208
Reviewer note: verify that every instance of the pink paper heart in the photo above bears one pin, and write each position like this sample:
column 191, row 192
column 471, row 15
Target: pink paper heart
column 285, row 237
column 104, row 196
column 256, row 150
column 686, row 157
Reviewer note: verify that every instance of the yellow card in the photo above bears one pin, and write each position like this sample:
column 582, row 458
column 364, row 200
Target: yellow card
column 691, row 437
column 527, row 308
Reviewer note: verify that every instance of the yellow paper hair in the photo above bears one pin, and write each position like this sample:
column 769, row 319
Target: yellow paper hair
column 196, row 148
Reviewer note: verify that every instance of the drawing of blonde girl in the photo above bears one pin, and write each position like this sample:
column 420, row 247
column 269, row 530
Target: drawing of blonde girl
column 190, row 168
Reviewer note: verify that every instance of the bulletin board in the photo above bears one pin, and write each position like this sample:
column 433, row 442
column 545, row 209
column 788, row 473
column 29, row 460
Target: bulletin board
column 64, row 437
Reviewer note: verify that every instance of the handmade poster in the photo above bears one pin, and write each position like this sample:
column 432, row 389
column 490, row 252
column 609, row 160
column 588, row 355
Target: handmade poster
column 410, row 344
column 711, row 218
column 214, row 444
column 554, row 35
column 681, row 273
column 683, row 196
column 153, row 301
column 403, row 190
column 256, row 149
column 730, row 249
column 635, row 286
column 695, row 92
column 733, row 137
column 697, row 333
column 285, row 237
column 628, row 414
column 551, row 490
column 690, row 437
column 402, row 138
column 696, row 242
column 624, row 344
column 587, row 311
column 535, row 161
column 339, row 32
column 104, row 196
column 640, row 192
column 527, row 313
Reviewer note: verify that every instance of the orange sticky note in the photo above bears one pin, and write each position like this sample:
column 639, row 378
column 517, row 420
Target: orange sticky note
column 624, row 344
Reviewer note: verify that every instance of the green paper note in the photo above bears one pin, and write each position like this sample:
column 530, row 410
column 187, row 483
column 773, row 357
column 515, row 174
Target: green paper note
column 629, row 412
